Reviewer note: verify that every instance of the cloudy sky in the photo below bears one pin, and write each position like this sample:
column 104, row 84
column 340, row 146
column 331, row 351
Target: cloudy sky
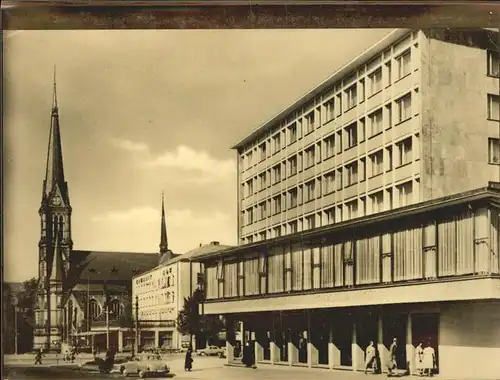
column 142, row 112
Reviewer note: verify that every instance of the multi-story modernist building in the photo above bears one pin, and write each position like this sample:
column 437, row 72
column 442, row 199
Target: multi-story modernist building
column 160, row 293
column 384, row 131
column 367, row 212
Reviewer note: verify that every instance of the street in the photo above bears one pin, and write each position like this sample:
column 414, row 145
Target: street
column 205, row 368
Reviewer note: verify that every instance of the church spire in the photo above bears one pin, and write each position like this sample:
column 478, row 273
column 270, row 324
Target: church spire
column 54, row 172
column 163, row 239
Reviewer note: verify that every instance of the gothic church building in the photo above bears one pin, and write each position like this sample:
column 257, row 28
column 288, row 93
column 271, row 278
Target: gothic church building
column 81, row 293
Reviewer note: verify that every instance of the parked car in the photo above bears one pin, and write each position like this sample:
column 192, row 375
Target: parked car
column 143, row 365
column 210, row 351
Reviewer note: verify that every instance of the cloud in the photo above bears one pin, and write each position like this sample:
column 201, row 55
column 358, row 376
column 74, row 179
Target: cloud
column 130, row 146
column 203, row 167
column 185, row 158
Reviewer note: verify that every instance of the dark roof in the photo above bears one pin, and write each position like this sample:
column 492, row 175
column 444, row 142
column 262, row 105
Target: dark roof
column 490, row 192
column 113, row 266
column 15, row 287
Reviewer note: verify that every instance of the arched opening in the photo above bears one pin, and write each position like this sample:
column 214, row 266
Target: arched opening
column 114, row 310
column 60, row 228
column 95, row 309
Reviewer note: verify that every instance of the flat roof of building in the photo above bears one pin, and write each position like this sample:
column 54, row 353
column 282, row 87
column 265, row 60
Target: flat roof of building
column 368, row 54
column 492, row 191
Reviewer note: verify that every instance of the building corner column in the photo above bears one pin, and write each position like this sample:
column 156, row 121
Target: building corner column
column 382, row 350
column 274, row 352
column 230, row 340
column 157, row 338
column 293, row 354
column 357, row 352
column 410, row 349
column 333, row 352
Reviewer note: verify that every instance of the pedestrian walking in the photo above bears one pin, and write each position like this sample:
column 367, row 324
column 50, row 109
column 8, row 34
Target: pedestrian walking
column 392, row 364
column 38, row 356
column 188, row 362
column 371, row 358
column 429, row 359
column 419, row 356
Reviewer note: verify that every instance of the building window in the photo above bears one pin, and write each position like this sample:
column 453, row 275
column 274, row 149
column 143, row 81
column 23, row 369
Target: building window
column 310, row 122
column 362, row 129
column 363, row 90
column 405, row 194
column 350, row 95
column 263, row 210
column 263, row 154
column 293, row 227
column 404, row 151
column 292, row 133
column 310, row 190
column 330, row 215
column 220, row 270
column 377, row 202
column 277, row 173
column 310, row 222
column 249, row 187
column 292, row 196
column 388, row 68
column 493, row 107
column 330, row 146
column 352, row 209
column 404, row 64
column 494, row 151
column 330, row 109
column 339, row 179
column 114, row 310
column 292, row 165
column 493, row 63
column 404, row 108
column 329, row 182
column 277, row 231
column 389, row 158
column 351, row 135
column 250, row 159
column 377, row 162
column 249, row 216
column 95, row 309
column 375, row 81
column 309, row 153
column 277, row 143
column 263, row 182
column 375, row 122
column 262, row 236
column 277, row 204
column 352, row 173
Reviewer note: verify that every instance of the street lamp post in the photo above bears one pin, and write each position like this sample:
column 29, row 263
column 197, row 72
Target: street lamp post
column 136, row 325
column 15, row 302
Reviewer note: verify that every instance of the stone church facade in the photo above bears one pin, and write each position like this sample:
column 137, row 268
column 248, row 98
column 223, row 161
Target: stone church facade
column 81, row 293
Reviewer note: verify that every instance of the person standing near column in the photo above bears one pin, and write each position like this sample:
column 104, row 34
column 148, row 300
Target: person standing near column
column 371, row 357
column 419, row 356
column 392, row 365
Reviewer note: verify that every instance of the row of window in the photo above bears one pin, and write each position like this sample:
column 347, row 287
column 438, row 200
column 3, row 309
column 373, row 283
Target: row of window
column 166, row 314
column 336, row 179
column 351, row 134
column 146, row 300
column 335, row 143
column 379, row 201
column 457, row 245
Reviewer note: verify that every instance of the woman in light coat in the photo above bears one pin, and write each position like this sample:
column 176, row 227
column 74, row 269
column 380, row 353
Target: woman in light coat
column 429, row 359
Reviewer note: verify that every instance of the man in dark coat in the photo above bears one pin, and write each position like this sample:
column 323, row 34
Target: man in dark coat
column 188, row 362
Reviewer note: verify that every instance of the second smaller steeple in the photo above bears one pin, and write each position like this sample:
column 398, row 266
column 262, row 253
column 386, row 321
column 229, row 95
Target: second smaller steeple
column 163, row 238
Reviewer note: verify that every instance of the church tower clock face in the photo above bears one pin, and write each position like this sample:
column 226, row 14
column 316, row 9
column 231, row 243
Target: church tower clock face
column 56, row 200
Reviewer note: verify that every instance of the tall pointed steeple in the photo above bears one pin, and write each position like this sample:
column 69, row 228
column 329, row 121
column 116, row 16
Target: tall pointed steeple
column 163, row 238
column 54, row 172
